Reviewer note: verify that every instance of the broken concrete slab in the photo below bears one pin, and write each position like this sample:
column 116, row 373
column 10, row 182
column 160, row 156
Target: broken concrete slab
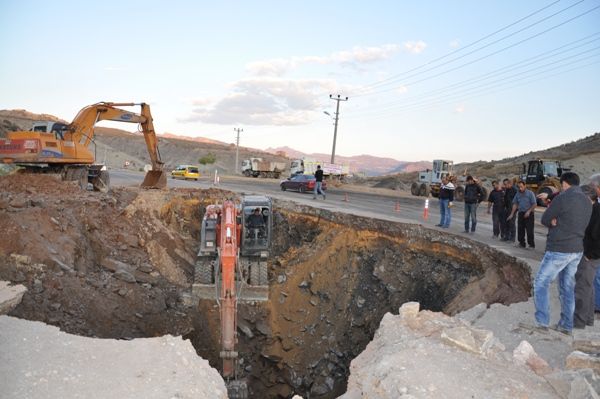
column 581, row 360
column 40, row 361
column 468, row 339
column 408, row 358
column 586, row 341
column 10, row 296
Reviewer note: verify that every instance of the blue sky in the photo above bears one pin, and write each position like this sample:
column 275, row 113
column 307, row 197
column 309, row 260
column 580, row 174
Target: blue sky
column 269, row 67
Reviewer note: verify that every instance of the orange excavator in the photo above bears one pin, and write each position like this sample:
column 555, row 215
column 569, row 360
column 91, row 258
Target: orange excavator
column 54, row 147
column 231, row 267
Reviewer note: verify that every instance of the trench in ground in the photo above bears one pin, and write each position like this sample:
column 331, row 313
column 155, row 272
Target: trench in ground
column 332, row 278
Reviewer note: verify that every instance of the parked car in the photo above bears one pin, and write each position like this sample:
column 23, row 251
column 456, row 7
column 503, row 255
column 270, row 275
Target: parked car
column 300, row 183
column 185, row 172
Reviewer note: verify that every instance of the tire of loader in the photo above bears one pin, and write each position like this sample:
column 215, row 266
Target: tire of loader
column 423, row 190
column 263, row 274
column 254, row 273
column 203, row 271
column 414, row 188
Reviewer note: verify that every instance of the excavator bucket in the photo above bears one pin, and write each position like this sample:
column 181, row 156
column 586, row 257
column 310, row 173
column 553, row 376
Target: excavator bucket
column 155, row 179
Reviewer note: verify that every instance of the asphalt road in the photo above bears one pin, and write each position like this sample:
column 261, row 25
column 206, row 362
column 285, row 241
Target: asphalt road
column 382, row 204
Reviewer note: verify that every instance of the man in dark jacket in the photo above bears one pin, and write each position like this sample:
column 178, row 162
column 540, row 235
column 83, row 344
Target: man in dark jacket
column 473, row 196
column 509, row 226
column 588, row 266
column 318, row 183
column 566, row 219
column 496, row 206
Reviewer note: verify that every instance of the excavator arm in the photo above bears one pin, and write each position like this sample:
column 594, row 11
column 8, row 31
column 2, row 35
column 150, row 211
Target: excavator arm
column 82, row 130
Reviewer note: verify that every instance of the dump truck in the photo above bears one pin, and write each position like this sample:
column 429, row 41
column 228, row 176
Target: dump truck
column 55, row 147
column 308, row 166
column 256, row 167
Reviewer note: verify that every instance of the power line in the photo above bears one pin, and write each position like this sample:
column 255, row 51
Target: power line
column 464, row 47
column 483, row 47
column 479, row 91
column 499, row 71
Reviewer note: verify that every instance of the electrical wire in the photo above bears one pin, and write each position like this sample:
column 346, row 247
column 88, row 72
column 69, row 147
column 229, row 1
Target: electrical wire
column 464, row 47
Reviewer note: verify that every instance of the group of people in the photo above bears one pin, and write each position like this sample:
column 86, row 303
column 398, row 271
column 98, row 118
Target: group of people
column 572, row 255
column 572, row 251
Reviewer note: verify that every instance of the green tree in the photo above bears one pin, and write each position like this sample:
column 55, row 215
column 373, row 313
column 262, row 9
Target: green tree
column 208, row 159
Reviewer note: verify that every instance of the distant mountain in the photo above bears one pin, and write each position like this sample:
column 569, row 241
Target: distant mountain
column 188, row 138
column 367, row 164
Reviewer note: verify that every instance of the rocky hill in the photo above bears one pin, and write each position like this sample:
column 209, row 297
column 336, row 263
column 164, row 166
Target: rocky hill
column 581, row 156
column 360, row 164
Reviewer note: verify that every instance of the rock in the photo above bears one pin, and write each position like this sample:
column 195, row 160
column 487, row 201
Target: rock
column 281, row 278
column 581, row 360
column 304, row 284
column 38, row 288
column 123, row 247
column 585, row 341
column 360, row 301
column 245, row 328
column 524, row 355
column 263, row 328
column 63, row 266
column 40, row 361
column 55, row 306
column 145, row 268
column 139, row 315
column 122, row 292
column 10, row 296
column 319, row 389
column 582, row 389
column 470, row 315
column 469, row 339
column 124, row 276
column 38, row 203
column 330, row 383
column 570, row 383
column 19, row 203
column 21, row 260
column 409, row 309
column 53, row 220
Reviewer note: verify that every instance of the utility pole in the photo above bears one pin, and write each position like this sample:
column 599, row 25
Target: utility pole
column 237, row 148
column 337, row 115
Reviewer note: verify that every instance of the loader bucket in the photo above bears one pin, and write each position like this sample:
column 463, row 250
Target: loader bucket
column 155, row 179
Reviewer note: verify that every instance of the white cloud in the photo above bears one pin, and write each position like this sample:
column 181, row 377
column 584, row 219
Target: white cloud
column 401, row 89
column 454, row 43
column 459, row 109
column 415, row 47
column 265, row 101
column 354, row 57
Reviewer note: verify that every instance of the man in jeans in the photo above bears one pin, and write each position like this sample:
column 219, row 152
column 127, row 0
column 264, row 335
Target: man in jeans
column 508, row 233
column 318, row 183
column 524, row 202
column 566, row 219
column 446, row 198
column 496, row 206
column 473, row 196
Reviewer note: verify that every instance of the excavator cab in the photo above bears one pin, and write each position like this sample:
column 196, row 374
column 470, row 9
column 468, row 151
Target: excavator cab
column 257, row 222
column 254, row 224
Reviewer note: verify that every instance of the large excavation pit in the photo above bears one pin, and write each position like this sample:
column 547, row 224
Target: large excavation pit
column 122, row 268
